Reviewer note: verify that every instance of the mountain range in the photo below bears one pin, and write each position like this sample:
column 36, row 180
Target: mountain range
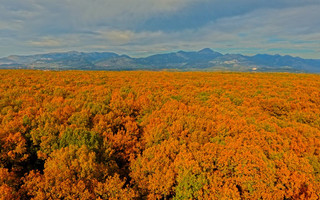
column 203, row 60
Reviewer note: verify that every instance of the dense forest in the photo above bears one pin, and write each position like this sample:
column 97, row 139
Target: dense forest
column 159, row 135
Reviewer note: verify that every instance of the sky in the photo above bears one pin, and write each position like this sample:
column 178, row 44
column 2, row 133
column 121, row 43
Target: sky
column 144, row 27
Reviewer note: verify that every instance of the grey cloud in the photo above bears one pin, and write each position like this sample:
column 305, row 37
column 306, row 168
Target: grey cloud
column 196, row 15
column 142, row 26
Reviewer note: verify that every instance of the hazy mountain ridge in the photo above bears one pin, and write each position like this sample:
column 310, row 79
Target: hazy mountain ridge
column 203, row 60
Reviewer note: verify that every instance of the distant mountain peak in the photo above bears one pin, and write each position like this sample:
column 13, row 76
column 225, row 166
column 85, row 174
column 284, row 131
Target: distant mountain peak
column 206, row 50
column 205, row 59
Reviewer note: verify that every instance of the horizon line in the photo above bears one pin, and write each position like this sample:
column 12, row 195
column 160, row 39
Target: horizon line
column 160, row 53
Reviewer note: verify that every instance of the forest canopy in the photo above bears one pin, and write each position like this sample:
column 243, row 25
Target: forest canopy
column 159, row 135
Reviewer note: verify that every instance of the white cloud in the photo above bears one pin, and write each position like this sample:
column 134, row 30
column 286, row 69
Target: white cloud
column 46, row 42
column 118, row 25
column 122, row 37
column 116, row 37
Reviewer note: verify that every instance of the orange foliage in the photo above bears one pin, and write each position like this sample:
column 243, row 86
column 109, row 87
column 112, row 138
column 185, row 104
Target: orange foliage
column 159, row 135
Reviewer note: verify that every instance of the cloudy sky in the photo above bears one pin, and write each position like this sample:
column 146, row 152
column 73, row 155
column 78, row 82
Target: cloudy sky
column 144, row 27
